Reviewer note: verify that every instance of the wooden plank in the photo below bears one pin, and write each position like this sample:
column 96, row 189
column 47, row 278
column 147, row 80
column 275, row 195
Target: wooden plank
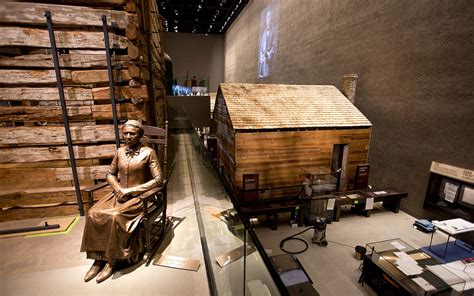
column 103, row 93
column 54, row 113
column 36, row 77
column 36, row 185
column 71, row 93
column 106, row 3
column 50, row 174
column 65, row 61
column 33, row 14
column 16, row 36
column 53, row 135
column 20, row 214
column 97, row 76
column 45, row 196
column 290, row 135
column 44, row 113
column 45, row 94
column 36, row 154
column 48, row 164
column 124, row 111
column 38, row 196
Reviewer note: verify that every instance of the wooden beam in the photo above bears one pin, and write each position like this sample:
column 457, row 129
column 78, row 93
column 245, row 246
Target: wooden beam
column 44, row 113
column 33, row 14
column 124, row 111
column 35, row 77
column 54, row 135
column 54, row 113
column 50, row 174
column 20, row 214
column 35, row 154
column 45, row 195
column 16, row 36
column 97, row 76
column 45, row 94
column 106, row 3
column 96, row 60
column 133, row 52
column 103, row 93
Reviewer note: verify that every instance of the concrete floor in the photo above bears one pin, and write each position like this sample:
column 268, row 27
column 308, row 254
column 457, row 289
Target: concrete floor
column 53, row 265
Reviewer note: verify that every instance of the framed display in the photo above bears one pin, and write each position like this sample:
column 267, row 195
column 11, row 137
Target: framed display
column 449, row 190
column 466, row 196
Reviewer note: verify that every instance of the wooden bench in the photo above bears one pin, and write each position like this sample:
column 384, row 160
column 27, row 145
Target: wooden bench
column 390, row 198
column 272, row 207
column 271, row 201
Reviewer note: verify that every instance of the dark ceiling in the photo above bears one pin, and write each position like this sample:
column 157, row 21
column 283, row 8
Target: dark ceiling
column 200, row 16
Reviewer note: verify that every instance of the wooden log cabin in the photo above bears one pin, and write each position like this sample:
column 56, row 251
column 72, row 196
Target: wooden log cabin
column 35, row 173
column 271, row 133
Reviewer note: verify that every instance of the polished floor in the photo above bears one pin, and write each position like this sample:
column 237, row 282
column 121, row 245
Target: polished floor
column 53, row 265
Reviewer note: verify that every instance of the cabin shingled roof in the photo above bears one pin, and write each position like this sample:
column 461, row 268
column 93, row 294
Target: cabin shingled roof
column 274, row 106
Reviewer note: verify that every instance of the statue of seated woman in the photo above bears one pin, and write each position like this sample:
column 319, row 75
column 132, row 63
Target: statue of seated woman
column 110, row 232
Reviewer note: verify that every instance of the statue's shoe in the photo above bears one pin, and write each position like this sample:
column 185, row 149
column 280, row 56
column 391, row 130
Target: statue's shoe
column 94, row 270
column 106, row 272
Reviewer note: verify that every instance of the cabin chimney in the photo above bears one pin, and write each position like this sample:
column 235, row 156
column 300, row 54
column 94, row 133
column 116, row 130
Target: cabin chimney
column 349, row 82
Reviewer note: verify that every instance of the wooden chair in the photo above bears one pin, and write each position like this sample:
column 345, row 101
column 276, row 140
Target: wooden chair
column 153, row 222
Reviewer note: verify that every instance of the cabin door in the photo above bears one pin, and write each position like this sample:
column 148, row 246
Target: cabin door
column 340, row 155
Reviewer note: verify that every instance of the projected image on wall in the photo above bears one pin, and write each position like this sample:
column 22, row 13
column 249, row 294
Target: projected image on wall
column 268, row 38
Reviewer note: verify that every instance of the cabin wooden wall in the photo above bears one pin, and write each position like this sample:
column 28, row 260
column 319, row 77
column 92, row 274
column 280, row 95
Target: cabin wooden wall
column 278, row 156
column 224, row 132
column 35, row 173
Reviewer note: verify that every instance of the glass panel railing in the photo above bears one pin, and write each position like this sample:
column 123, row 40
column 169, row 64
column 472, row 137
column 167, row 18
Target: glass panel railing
column 239, row 264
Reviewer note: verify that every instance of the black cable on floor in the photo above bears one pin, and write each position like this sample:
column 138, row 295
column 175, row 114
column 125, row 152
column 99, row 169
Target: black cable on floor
column 292, row 237
column 282, row 243
column 340, row 244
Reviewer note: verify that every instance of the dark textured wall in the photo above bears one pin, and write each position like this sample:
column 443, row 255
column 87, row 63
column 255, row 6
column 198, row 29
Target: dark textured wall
column 202, row 56
column 415, row 65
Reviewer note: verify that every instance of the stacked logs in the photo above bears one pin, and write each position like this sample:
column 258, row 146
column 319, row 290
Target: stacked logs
column 36, row 178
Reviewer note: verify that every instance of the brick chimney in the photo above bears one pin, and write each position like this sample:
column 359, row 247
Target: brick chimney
column 349, row 82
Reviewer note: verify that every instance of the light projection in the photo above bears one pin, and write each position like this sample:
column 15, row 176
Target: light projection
column 268, row 38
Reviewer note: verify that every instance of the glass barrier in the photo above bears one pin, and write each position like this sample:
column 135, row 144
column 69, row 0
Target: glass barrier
column 238, row 262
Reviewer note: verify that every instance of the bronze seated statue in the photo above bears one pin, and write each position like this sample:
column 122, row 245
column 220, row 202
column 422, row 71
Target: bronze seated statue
column 110, row 233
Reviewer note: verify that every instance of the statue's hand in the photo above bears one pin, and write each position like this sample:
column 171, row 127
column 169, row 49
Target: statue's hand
column 123, row 195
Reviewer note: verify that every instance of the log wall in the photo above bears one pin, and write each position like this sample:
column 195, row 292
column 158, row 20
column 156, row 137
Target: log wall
column 278, row 156
column 222, row 128
column 35, row 173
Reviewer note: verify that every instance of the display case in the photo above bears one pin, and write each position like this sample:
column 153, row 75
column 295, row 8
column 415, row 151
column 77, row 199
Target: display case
column 450, row 192
column 319, row 181
column 393, row 267
column 318, row 184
